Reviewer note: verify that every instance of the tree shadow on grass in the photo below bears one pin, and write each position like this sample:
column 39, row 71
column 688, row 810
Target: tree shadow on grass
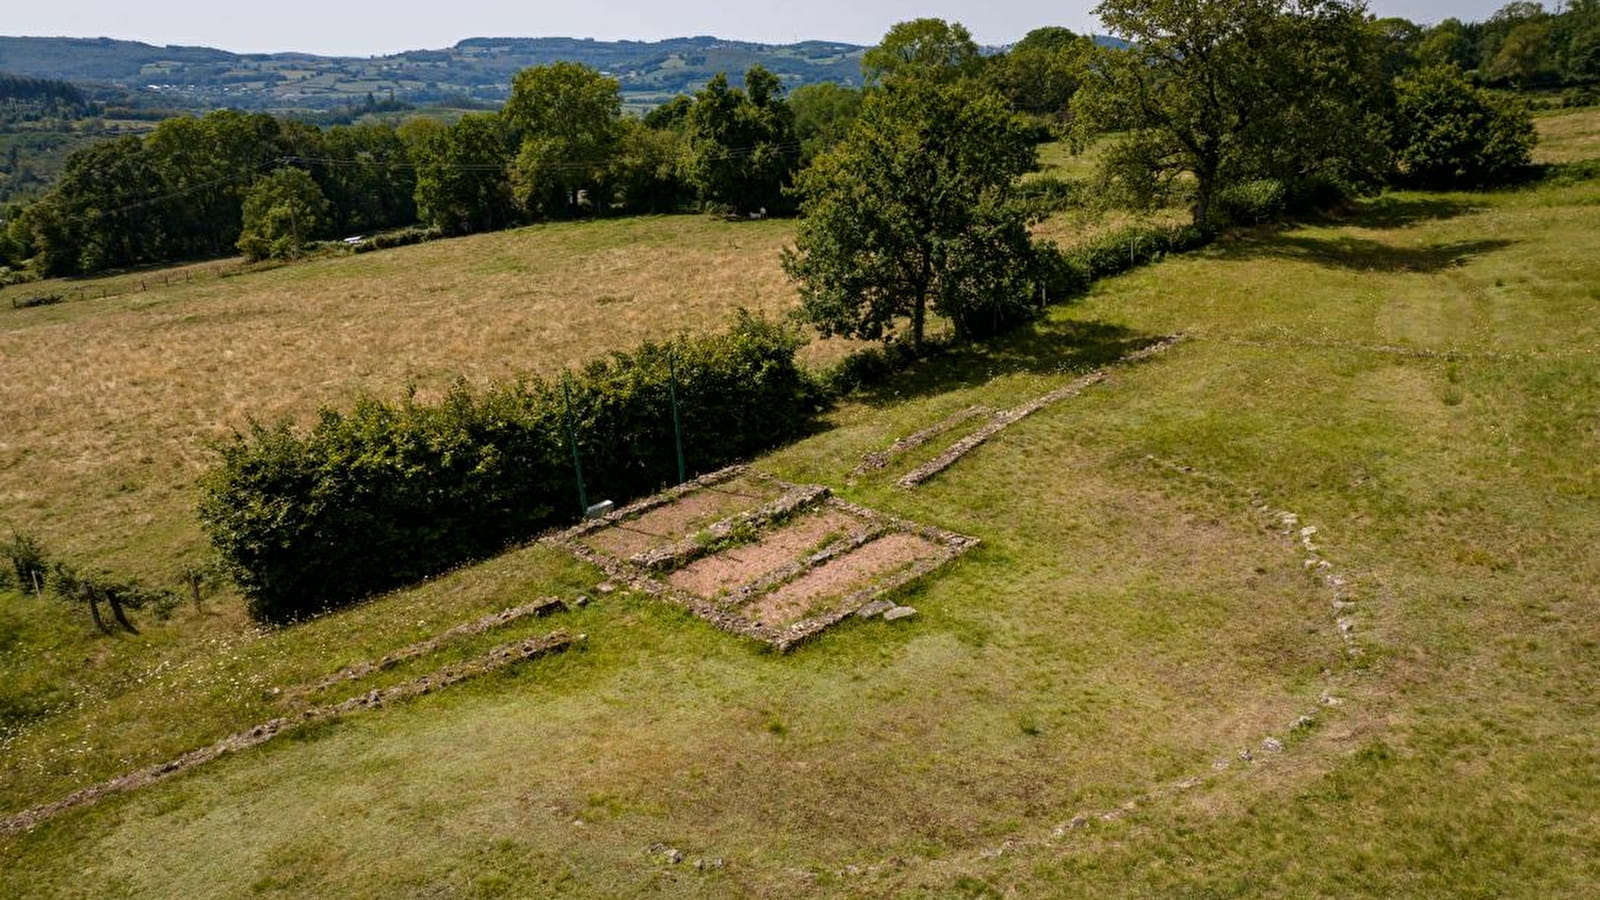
column 1043, row 347
column 1362, row 255
column 1389, row 211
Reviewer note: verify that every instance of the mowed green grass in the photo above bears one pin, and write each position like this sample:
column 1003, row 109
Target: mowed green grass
column 1419, row 381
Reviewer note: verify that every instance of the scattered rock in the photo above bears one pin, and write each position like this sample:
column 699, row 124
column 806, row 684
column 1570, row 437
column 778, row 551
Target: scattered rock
column 1272, row 745
column 1220, row 764
column 581, row 600
column 674, row 856
column 546, row 606
column 1245, row 755
column 1329, row 700
column 898, row 613
column 875, row 608
column 605, row 587
column 1303, row 723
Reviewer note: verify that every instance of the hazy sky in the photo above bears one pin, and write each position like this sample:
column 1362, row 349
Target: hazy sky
column 364, row 28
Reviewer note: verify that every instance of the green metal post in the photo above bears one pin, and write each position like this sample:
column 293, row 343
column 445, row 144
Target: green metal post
column 677, row 423
column 572, row 440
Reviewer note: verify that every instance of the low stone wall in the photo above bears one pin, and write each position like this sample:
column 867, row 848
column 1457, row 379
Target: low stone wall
column 498, row 658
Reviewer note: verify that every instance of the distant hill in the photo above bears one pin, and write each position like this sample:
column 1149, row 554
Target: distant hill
column 478, row 69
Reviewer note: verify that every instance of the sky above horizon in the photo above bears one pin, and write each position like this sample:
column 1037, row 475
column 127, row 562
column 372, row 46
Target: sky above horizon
column 369, row 29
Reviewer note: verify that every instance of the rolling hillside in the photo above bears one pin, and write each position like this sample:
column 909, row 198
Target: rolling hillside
column 477, row 68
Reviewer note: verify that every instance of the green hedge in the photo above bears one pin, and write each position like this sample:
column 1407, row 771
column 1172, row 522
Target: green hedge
column 1068, row 272
column 390, row 493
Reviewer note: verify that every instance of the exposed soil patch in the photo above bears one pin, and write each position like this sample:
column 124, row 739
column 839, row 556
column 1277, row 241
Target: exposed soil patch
column 722, row 572
column 862, row 572
column 778, row 571
column 669, row 523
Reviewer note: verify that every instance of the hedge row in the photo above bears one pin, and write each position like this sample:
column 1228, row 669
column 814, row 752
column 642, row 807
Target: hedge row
column 1067, row 272
column 390, row 493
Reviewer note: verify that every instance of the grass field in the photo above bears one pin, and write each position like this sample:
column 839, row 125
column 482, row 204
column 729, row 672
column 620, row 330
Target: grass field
column 110, row 402
column 1567, row 135
column 1066, row 715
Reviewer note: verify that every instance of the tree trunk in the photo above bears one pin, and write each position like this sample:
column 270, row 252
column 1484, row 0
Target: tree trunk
column 94, row 613
column 118, row 614
column 1205, row 176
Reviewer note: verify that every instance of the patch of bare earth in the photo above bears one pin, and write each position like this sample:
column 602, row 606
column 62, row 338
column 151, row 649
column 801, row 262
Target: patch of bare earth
column 736, row 566
column 842, row 577
column 668, row 523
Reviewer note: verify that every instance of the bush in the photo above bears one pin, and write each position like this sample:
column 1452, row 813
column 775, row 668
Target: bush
column 1448, row 133
column 1579, row 97
column 868, row 366
column 390, row 493
column 1251, row 202
column 1132, row 246
column 1045, row 194
column 29, row 562
column 402, row 237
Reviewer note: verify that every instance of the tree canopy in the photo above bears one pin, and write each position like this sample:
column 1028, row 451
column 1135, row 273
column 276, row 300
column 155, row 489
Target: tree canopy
column 283, row 213
column 1212, row 88
column 910, row 213
column 565, row 120
column 1450, row 134
column 743, row 151
column 922, row 48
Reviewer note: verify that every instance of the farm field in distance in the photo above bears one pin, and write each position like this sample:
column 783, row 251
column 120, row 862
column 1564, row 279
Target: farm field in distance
column 1139, row 683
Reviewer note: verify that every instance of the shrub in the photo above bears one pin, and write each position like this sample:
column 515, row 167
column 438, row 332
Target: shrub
column 1449, row 133
column 402, row 237
column 389, row 493
column 1251, row 202
column 1045, row 194
column 867, row 366
column 1132, row 246
column 29, row 562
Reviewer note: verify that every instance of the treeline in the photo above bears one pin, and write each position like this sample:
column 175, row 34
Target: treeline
column 1318, row 109
column 179, row 192
column 31, row 99
column 1523, row 45
column 560, row 148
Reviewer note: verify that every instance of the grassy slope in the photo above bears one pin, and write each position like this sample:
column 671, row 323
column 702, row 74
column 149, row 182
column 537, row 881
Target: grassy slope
column 1120, row 628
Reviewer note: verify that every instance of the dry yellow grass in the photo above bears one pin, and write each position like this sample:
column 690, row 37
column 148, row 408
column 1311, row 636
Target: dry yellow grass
column 1568, row 136
column 108, row 404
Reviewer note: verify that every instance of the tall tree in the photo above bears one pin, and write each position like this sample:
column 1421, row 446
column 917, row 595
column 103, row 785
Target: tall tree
column 368, row 178
column 1230, row 90
column 823, row 114
column 923, row 48
column 283, row 213
column 910, row 214
column 743, row 151
column 1041, row 72
column 461, row 175
column 565, row 121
